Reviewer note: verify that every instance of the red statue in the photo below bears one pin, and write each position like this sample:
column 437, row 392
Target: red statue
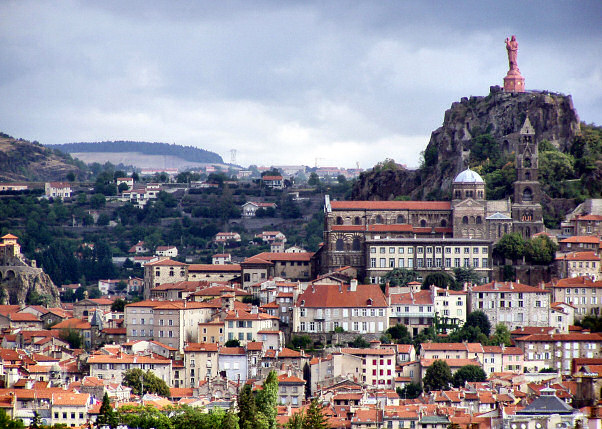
column 512, row 48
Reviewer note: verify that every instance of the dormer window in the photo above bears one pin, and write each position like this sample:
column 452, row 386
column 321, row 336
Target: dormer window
column 369, row 302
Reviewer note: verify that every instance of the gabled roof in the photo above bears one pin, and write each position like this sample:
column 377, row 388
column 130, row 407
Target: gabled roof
column 390, row 205
column 201, row 347
column 582, row 239
column 508, row 287
column 332, row 295
column 165, row 263
column 498, row 216
column 575, row 336
column 579, row 256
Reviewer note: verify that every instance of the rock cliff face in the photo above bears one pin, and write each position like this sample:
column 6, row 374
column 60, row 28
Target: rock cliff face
column 500, row 114
column 18, row 282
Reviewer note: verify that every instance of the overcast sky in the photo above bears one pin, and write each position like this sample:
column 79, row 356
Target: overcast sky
column 282, row 82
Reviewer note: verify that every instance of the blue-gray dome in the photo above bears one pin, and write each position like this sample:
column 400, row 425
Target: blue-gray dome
column 468, row 176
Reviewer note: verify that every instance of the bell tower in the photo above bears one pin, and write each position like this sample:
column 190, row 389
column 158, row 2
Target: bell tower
column 526, row 210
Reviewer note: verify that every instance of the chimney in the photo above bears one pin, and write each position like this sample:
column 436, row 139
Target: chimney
column 387, row 289
column 353, row 285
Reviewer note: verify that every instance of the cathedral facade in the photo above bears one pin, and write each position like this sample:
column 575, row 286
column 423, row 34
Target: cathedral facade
column 376, row 237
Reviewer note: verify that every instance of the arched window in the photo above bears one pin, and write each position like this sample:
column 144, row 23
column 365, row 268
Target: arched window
column 356, row 246
column 401, row 219
column 480, row 194
column 505, row 228
column 340, row 245
column 527, row 232
column 443, row 223
column 357, row 221
column 527, row 195
column 527, row 175
column 339, row 220
column 479, row 220
column 422, row 223
column 379, row 219
column 458, row 194
column 499, row 230
column 527, row 163
column 465, row 220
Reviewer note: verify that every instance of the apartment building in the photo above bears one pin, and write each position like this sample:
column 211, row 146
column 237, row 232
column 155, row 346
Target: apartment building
column 579, row 264
column 378, row 366
column 583, row 293
column 163, row 271
column 513, row 304
column 354, row 308
column 558, row 350
column 245, row 326
column 111, row 367
column 333, row 368
column 200, row 363
column 291, row 390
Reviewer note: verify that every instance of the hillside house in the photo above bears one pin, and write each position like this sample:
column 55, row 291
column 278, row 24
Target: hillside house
column 249, row 209
column 57, row 190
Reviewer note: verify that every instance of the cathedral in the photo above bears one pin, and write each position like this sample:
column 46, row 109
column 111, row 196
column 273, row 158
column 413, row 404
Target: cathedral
column 374, row 237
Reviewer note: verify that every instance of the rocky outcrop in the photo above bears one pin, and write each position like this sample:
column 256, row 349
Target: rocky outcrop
column 500, row 114
column 20, row 283
column 21, row 160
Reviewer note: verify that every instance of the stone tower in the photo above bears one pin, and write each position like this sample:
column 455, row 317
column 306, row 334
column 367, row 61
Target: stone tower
column 526, row 210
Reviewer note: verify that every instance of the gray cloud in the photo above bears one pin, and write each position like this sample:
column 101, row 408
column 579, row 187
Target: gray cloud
column 281, row 82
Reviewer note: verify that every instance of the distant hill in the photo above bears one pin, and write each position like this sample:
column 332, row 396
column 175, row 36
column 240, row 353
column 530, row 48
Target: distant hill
column 187, row 153
column 22, row 160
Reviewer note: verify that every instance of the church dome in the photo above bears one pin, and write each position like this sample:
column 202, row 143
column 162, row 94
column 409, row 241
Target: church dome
column 468, row 176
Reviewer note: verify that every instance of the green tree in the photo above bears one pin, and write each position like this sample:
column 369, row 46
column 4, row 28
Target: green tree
column 410, row 391
column 314, row 179
column 232, row 343
column 469, row 373
column 511, row 246
column 501, row 335
column 441, row 279
column 315, row 418
column 399, row 277
column 465, row 275
column 118, row 305
column 438, row 376
column 107, row 415
column 36, row 422
column 267, row 400
column 301, row 341
column 143, row 417
column 247, row 409
column 7, row 423
column 122, row 187
column 400, row 334
column 136, row 377
column 71, row 336
column 540, row 250
column 359, row 343
column 479, row 320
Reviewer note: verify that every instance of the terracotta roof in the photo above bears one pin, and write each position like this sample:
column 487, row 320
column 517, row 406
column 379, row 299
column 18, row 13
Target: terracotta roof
column 453, row 363
column 255, row 346
column 357, row 351
column 513, row 351
column 582, row 239
column 281, row 256
column 577, row 336
column 507, row 287
column 23, row 317
column 72, row 324
column 582, row 281
column 232, row 351
column 289, row 353
column 201, row 347
column 390, row 205
column 422, row 297
column 165, row 262
column 218, row 290
column 10, row 237
column 589, row 217
column 284, row 378
column 329, row 295
column 70, row 399
column 125, row 358
column 579, row 256
column 213, row 268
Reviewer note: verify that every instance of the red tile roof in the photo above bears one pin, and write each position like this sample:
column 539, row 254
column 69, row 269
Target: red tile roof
column 577, row 336
column 201, row 347
column 214, row 268
column 166, row 263
column 579, row 256
column 422, row 297
column 328, row 295
column 281, row 256
column 582, row 281
column 508, row 287
column 390, row 205
column 232, row 351
column 357, row 351
column 590, row 217
column 582, row 239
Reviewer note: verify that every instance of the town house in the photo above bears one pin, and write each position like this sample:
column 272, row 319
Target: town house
column 579, row 264
column 353, row 308
column 583, row 293
column 111, row 367
column 200, row 363
column 558, row 350
column 292, row 266
column 163, row 271
column 378, row 365
column 513, row 304
column 245, row 326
